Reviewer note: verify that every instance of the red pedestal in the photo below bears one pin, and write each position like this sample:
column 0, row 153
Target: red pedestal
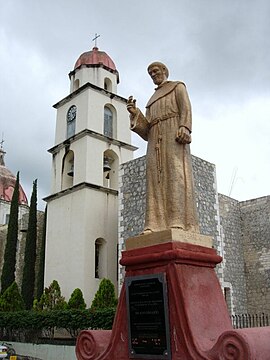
column 200, row 327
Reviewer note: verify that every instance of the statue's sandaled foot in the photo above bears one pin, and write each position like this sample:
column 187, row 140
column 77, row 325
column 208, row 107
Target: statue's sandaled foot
column 177, row 227
column 146, row 231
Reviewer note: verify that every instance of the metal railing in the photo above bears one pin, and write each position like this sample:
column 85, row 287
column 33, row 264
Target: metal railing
column 241, row 321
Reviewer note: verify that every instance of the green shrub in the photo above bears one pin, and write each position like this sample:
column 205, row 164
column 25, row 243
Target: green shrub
column 21, row 323
column 102, row 319
column 11, row 299
column 51, row 299
column 105, row 296
column 76, row 300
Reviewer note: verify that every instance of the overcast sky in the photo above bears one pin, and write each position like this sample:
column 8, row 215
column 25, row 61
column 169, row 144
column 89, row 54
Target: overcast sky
column 220, row 49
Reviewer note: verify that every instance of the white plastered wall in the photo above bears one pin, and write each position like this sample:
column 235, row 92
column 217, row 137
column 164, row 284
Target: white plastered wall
column 90, row 115
column 94, row 75
column 88, row 161
column 76, row 221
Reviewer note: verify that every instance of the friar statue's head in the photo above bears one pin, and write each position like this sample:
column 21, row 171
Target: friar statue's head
column 158, row 72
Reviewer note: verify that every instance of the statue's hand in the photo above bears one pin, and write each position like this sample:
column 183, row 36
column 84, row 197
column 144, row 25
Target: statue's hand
column 131, row 106
column 183, row 136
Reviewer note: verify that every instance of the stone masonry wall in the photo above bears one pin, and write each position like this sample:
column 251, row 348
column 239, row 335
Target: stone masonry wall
column 256, row 242
column 234, row 267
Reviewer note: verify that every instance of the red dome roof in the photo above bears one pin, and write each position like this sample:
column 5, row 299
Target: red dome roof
column 7, row 183
column 95, row 57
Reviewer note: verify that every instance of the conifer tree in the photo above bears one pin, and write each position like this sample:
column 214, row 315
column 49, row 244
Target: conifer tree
column 8, row 272
column 11, row 299
column 28, row 280
column 40, row 275
column 105, row 296
column 51, row 298
column 76, row 300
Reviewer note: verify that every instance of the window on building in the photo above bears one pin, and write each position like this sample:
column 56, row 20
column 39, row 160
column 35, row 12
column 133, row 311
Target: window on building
column 108, row 122
column 100, row 258
column 97, row 254
column 7, row 219
column 71, row 121
column 228, row 298
column 107, row 84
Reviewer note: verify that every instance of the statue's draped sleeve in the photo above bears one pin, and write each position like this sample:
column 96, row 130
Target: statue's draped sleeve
column 184, row 105
column 140, row 124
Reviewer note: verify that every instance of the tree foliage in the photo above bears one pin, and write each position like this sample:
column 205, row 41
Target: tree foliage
column 76, row 300
column 105, row 296
column 11, row 299
column 41, row 267
column 8, row 272
column 28, row 281
column 51, row 299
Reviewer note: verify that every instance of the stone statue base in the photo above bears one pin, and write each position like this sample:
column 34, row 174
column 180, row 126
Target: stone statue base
column 198, row 321
column 155, row 238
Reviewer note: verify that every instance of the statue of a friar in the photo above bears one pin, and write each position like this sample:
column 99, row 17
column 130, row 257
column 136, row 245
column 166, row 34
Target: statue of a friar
column 166, row 127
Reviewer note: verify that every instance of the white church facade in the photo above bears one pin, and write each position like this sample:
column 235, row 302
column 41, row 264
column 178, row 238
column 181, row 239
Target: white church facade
column 92, row 139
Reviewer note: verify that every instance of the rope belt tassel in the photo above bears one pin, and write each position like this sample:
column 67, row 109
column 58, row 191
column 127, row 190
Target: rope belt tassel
column 157, row 122
column 158, row 153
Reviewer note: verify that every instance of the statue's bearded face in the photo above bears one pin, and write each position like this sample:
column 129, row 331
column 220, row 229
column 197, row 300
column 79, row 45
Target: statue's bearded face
column 157, row 74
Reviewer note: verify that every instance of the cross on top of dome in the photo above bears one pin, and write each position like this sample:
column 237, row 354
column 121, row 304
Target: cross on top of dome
column 95, row 39
column 2, row 152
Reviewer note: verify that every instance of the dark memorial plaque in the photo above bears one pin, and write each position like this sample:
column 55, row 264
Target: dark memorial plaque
column 147, row 309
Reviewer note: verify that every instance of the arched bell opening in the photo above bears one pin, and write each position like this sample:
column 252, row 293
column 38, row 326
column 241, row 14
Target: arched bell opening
column 108, row 84
column 110, row 169
column 68, row 170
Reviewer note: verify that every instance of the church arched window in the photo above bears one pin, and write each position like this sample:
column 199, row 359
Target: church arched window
column 100, row 258
column 71, row 121
column 108, row 122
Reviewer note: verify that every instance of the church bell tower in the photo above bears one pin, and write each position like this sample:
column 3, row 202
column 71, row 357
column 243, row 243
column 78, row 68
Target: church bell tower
column 92, row 139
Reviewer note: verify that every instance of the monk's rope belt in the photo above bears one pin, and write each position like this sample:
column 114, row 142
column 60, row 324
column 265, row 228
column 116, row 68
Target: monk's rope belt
column 162, row 118
column 157, row 122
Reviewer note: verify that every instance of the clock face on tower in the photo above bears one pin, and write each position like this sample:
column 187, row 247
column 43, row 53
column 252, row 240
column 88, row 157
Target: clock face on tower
column 71, row 114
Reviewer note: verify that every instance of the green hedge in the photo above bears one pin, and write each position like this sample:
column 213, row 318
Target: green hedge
column 29, row 325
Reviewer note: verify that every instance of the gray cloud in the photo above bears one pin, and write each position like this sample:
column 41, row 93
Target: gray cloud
column 220, row 49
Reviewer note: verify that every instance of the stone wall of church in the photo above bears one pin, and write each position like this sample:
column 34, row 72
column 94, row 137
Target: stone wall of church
column 234, row 281
column 132, row 198
column 204, row 174
column 256, row 240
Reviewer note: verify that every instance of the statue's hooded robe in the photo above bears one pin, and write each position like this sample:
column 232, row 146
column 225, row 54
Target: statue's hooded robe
column 170, row 199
